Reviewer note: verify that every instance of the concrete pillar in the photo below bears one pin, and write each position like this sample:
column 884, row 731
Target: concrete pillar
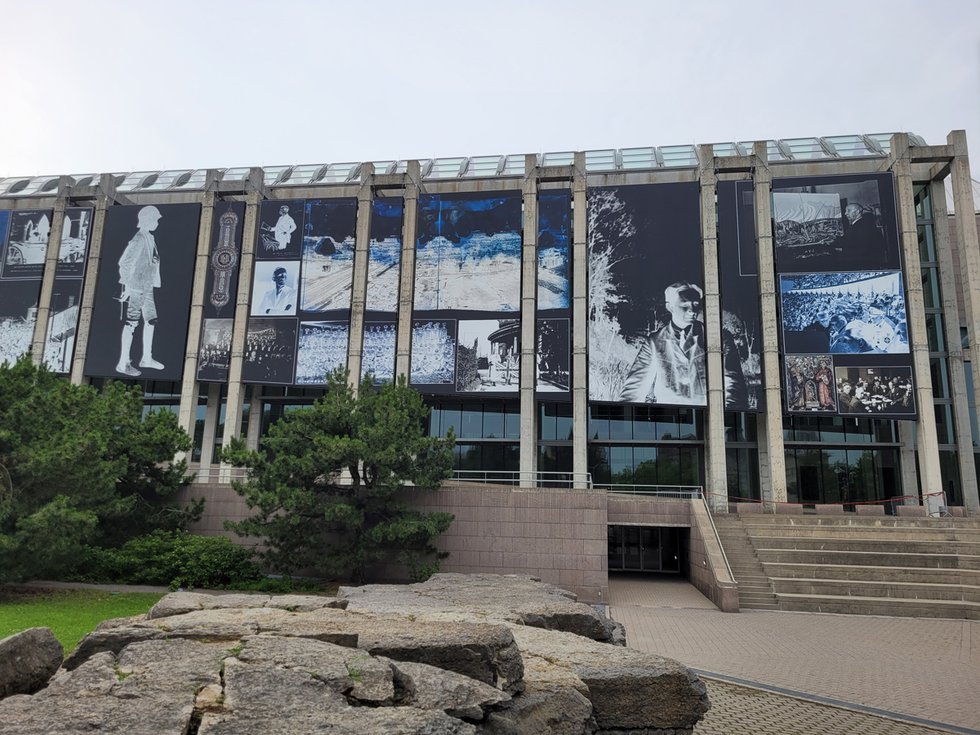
column 233, row 409
column 91, row 277
column 529, row 304
column 907, row 466
column 211, row 414
column 968, row 248
column 772, row 420
column 358, row 296
column 957, row 368
column 716, row 472
column 188, row 388
column 930, row 478
column 254, row 417
column 580, row 324
column 406, row 288
column 40, row 337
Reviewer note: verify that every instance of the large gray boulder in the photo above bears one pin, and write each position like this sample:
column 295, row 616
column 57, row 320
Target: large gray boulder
column 506, row 598
column 28, row 660
column 457, row 657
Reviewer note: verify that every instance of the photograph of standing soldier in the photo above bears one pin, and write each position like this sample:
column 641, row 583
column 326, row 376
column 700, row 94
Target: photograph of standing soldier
column 139, row 274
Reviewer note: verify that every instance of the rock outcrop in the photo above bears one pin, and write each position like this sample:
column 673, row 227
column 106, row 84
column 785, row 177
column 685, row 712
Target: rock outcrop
column 484, row 655
column 28, row 660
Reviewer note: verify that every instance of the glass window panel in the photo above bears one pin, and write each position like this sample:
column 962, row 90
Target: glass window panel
column 690, row 463
column 639, row 157
column 645, row 464
column 686, row 424
column 493, row 422
column 435, row 417
column 949, row 467
column 927, row 244
column 598, row 423
column 944, row 424
column 554, row 459
column 832, row 429
column 644, row 423
column 620, row 423
column 858, row 431
column 792, row 477
column 834, row 468
column 885, row 430
column 862, row 475
column 564, row 158
column 512, row 423
column 600, row 160
column 923, row 203
column 621, row 465
column 934, row 332
column 971, row 401
column 511, row 457
column 469, row 456
column 547, row 424
column 808, row 463
column 940, row 377
column 451, row 419
column 666, row 422
column 563, row 420
column 669, row 466
column 930, row 288
column 599, row 464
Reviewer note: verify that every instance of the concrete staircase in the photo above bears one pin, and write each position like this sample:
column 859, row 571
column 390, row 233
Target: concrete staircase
column 912, row 567
column 754, row 589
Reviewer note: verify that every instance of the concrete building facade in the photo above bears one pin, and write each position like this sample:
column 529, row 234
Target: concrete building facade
column 552, row 461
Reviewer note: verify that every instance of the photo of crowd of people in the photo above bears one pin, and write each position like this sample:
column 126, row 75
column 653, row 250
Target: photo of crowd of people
column 433, row 352
column 844, row 313
column 214, row 357
column 378, row 351
column 877, row 390
column 322, row 349
column 270, row 351
column 810, row 384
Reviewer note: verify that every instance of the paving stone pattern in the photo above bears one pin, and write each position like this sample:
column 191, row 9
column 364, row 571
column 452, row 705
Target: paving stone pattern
column 737, row 710
column 927, row 668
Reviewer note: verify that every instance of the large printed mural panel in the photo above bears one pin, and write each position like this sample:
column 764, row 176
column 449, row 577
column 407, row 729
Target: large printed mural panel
column 738, row 275
column 220, row 293
column 299, row 321
column 466, row 329
column 23, row 248
column 646, row 292
column 142, row 302
column 842, row 299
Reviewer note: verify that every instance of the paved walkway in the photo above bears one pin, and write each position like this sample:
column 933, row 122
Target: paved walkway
column 919, row 668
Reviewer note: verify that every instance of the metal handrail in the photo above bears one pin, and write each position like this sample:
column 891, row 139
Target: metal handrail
column 714, row 530
column 519, row 477
column 681, row 492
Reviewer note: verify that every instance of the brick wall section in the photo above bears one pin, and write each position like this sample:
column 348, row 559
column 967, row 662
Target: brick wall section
column 556, row 534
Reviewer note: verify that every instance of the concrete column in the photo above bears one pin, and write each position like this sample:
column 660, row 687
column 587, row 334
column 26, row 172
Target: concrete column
column 716, row 472
column 254, row 417
column 968, row 248
column 406, row 288
column 772, row 420
column 211, row 414
column 91, row 276
column 233, row 409
column 188, row 389
column 580, row 325
column 930, row 478
column 358, row 296
column 906, row 466
column 957, row 368
column 529, row 304
column 40, row 338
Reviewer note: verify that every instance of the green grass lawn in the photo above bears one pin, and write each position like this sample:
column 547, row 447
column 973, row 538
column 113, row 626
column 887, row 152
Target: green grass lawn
column 71, row 614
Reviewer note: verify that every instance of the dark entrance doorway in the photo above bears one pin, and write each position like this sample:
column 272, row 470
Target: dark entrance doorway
column 644, row 549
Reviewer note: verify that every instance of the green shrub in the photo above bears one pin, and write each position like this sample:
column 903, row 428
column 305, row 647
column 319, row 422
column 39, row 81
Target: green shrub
column 173, row 558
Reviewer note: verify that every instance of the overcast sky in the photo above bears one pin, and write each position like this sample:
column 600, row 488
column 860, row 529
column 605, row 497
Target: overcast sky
column 100, row 85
